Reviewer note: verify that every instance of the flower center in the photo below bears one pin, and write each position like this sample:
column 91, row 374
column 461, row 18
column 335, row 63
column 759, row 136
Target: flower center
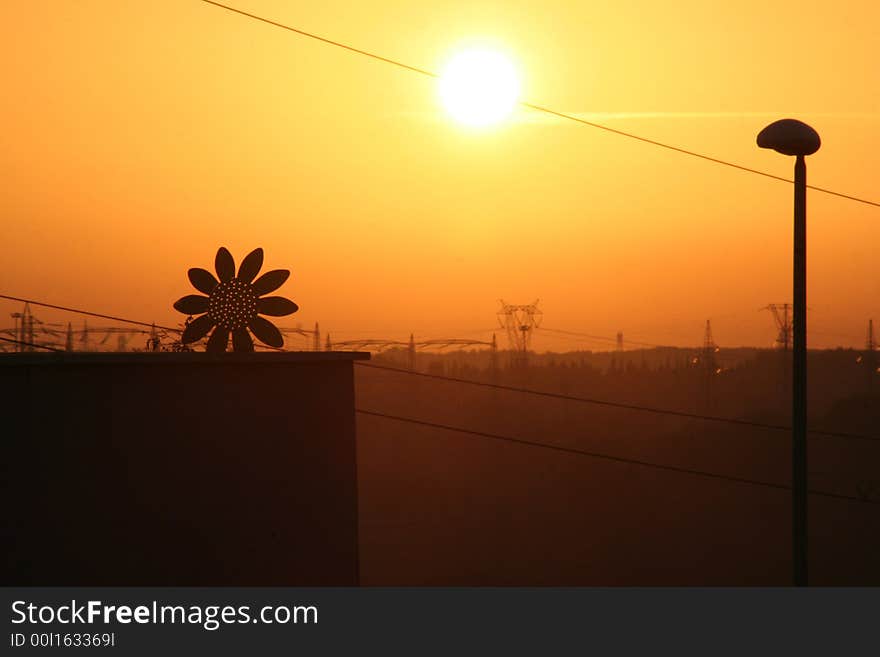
column 232, row 304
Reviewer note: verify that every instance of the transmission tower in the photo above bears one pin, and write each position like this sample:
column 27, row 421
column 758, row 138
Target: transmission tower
column 709, row 363
column 782, row 316
column 24, row 328
column 29, row 324
column 707, row 355
column 154, row 343
column 869, row 358
column 617, row 356
column 520, row 322
column 316, row 339
column 19, row 330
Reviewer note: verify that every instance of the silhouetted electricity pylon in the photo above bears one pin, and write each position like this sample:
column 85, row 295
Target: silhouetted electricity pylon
column 154, row 342
column 707, row 354
column 869, row 358
column 617, row 357
column 709, row 362
column 782, row 316
column 24, row 328
column 520, row 322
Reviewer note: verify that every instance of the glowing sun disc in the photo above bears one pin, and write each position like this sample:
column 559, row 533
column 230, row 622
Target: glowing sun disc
column 479, row 87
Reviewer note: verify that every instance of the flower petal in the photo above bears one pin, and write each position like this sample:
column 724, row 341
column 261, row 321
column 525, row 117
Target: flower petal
column 218, row 341
column 202, row 280
column 224, row 264
column 241, row 340
column 197, row 329
column 276, row 306
column 192, row 304
column 266, row 332
column 270, row 281
column 250, row 266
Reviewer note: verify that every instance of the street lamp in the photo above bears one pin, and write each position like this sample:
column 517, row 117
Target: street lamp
column 791, row 137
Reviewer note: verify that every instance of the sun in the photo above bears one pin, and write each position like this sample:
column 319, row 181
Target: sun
column 479, row 87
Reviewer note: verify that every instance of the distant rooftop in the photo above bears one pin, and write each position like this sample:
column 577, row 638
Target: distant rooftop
column 165, row 357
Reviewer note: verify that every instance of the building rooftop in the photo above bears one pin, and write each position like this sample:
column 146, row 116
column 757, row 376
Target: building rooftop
column 178, row 358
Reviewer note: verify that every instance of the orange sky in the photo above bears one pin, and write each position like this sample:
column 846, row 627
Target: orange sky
column 140, row 136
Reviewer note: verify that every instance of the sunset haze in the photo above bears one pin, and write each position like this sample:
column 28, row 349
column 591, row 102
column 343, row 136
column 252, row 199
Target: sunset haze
column 138, row 137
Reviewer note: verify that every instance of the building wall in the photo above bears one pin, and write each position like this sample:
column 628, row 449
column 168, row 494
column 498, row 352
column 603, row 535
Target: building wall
column 180, row 469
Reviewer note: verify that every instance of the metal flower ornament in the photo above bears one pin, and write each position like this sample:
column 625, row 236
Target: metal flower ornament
column 233, row 304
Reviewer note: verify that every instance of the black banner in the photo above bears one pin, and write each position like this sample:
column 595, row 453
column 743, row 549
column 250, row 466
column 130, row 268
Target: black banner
column 230, row 621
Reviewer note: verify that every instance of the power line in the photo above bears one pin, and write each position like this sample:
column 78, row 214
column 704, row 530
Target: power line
column 528, row 391
column 31, row 344
column 525, row 391
column 603, row 338
column 316, row 37
column 606, row 457
column 600, row 338
column 540, row 108
column 90, row 314
column 685, row 151
column 630, row 407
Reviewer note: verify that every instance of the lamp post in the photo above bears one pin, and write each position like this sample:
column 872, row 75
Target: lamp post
column 791, row 137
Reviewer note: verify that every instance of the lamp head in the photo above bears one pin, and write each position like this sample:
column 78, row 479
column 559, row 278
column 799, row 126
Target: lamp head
column 790, row 137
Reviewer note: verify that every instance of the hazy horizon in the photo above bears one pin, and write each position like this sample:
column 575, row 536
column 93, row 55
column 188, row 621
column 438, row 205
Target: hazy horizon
column 138, row 138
